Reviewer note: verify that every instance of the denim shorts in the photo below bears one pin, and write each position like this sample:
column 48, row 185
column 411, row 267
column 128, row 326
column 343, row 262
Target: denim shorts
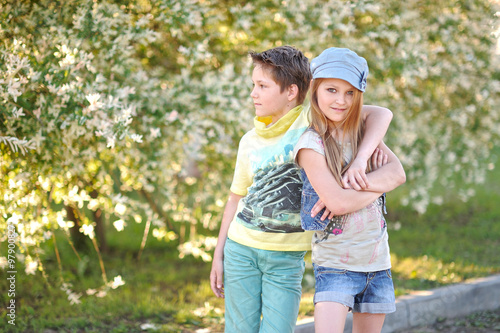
column 366, row 292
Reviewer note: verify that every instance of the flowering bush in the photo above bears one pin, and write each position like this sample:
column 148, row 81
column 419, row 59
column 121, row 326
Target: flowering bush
column 130, row 112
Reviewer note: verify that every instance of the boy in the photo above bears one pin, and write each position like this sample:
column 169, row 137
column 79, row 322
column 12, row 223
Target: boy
column 261, row 245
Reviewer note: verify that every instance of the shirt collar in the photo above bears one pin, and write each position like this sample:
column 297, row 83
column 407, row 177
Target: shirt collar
column 279, row 127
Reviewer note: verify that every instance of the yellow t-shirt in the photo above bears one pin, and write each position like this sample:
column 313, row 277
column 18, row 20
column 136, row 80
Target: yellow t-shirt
column 268, row 217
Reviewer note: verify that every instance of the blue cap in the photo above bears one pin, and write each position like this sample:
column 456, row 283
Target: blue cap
column 340, row 63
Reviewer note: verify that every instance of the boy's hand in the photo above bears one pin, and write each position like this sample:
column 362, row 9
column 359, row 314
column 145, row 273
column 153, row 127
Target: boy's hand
column 318, row 207
column 355, row 176
column 379, row 159
column 217, row 277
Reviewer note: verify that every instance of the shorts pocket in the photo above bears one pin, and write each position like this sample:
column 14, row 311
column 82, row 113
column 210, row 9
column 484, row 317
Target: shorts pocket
column 389, row 273
column 308, row 201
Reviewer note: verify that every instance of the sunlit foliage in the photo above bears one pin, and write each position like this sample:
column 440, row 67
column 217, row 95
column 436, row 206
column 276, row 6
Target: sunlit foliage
column 125, row 112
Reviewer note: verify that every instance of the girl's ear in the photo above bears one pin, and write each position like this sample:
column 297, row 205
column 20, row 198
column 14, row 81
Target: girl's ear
column 293, row 92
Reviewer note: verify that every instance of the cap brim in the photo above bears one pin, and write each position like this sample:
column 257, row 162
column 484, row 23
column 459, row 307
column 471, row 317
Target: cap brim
column 331, row 71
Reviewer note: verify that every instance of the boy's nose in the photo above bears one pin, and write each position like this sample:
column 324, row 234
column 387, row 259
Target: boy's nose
column 253, row 94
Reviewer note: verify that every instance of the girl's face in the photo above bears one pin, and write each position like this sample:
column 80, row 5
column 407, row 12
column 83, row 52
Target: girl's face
column 335, row 97
column 267, row 96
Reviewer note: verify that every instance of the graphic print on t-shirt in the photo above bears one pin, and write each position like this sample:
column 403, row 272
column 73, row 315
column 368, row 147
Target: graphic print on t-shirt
column 273, row 202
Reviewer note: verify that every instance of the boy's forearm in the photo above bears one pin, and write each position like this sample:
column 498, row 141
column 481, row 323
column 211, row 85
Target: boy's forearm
column 386, row 178
column 377, row 121
column 389, row 176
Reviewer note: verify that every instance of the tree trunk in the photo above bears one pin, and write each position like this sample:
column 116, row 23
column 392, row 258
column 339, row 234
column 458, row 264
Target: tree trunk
column 79, row 239
column 100, row 228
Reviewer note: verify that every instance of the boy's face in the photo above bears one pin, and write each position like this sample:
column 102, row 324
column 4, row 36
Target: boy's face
column 267, row 96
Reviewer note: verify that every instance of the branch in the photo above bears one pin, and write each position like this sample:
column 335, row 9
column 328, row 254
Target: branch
column 17, row 145
column 158, row 210
column 144, row 238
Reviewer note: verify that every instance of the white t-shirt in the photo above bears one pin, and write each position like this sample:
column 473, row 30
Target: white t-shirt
column 357, row 241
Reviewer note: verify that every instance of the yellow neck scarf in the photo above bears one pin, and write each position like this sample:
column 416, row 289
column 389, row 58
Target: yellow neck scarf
column 279, row 127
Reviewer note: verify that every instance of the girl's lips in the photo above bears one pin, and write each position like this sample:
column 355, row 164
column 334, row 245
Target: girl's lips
column 338, row 110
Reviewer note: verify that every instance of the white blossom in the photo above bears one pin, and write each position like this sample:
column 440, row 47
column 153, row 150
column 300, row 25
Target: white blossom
column 136, row 138
column 31, row 266
column 91, row 292
column 117, row 282
column 3, row 262
column 119, row 225
column 74, row 298
column 87, row 230
column 93, row 99
column 18, row 112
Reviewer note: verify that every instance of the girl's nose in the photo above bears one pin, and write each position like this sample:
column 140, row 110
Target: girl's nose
column 340, row 100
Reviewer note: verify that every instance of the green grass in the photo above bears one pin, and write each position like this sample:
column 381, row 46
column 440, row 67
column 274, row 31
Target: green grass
column 160, row 290
column 448, row 244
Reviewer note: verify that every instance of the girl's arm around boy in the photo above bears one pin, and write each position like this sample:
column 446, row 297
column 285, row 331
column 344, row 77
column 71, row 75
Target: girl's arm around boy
column 377, row 120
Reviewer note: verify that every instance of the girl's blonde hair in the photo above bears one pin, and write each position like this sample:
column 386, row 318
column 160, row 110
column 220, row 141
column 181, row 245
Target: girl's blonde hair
column 352, row 131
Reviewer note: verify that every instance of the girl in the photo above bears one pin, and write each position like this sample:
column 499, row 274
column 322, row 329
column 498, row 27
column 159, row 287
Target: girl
column 350, row 250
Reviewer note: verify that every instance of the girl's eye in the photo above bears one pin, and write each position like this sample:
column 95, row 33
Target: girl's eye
column 350, row 93
column 332, row 90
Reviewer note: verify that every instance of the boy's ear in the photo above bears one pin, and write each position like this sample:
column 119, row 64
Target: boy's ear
column 293, row 92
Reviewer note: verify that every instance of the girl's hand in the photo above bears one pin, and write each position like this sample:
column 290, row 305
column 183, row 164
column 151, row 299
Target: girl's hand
column 318, row 207
column 355, row 176
column 379, row 159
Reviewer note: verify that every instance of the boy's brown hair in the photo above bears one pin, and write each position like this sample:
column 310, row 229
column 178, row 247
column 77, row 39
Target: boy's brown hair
column 287, row 65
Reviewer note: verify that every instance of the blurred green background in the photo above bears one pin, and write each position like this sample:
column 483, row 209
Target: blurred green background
column 119, row 125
